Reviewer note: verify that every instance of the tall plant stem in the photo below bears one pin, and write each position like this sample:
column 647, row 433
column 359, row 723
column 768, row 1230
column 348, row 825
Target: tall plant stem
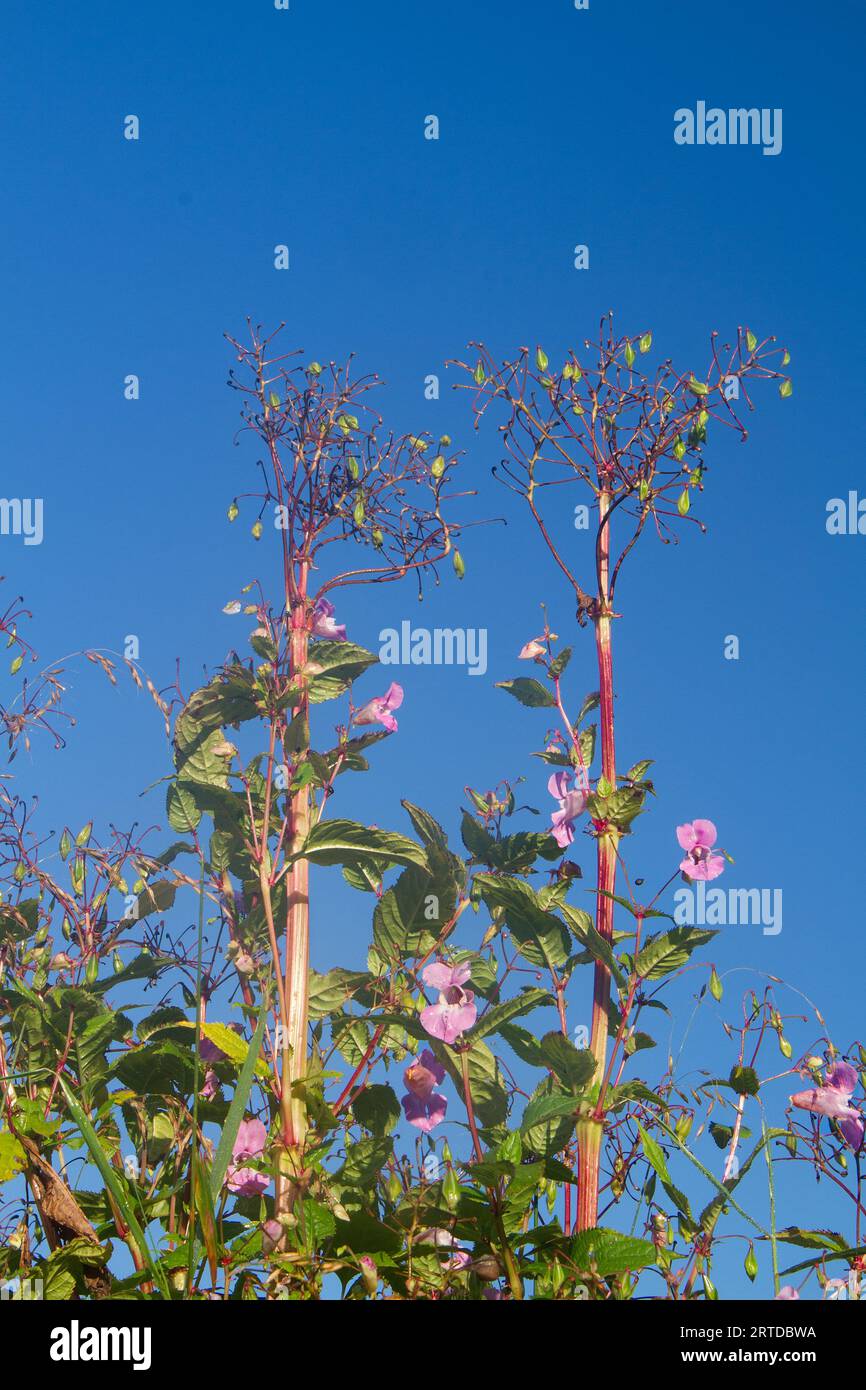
column 590, row 1134
column 298, row 898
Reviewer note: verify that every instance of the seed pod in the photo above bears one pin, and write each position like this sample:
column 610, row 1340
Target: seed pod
column 257, row 530
column 459, row 566
column 451, row 1190
column 487, row 1268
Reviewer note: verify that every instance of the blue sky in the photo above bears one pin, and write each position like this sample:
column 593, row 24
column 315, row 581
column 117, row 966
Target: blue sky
column 305, row 127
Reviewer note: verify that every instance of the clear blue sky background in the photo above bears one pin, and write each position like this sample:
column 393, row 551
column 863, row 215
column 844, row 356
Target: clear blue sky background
column 261, row 127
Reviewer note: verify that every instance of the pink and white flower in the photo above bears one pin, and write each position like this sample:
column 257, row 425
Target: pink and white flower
column 379, row 709
column 250, row 1143
column 455, row 1009
column 421, row 1106
column 572, row 803
column 833, row 1099
column 697, row 838
column 530, row 651
column 323, row 623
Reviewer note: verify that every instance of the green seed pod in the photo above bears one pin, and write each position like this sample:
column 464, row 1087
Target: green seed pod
column 91, row 973
column 459, row 566
column 437, row 467
column 715, row 986
column 451, row 1190
column 750, row 1264
column 257, row 530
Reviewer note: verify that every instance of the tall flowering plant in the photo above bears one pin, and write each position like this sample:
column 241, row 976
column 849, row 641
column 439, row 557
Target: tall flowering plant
column 425, row 1123
column 635, row 445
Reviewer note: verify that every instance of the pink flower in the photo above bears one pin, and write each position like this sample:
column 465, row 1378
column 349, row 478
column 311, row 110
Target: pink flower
column 530, row 650
column 211, row 1085
column 444, row 1240
column 422, row 1108
column 455, row 1010
column 324, row 625
column 250, row 1143
column 572, row 803
column 833, row 1100
column 787, row 1291
column 378, row 710
column 697, row 838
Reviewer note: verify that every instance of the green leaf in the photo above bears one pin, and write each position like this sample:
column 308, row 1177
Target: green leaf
column 493, row 1018
column 156, row 897
column 12, row 1156
column 329, row 993
column 377, row 1109
column 548, row 1107
column 670, row 951
column 489, row 1096
column 345, row 842
column 745, row 1081
column 542, row 938
column 409, row 917
column 575, row 1067
column 529, row 692
column 610, row 1253
column 333, row 666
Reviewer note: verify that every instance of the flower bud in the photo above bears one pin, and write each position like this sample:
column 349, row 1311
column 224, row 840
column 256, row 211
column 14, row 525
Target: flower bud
column 369, row 1274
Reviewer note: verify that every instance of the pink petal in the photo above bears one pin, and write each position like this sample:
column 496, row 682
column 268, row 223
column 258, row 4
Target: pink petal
column 434, row 1019
column 705, row 832
column 687, row 836
column 842, row 1077
column 437, row 975
column 251, row 1139
column 394, row 696
column 433, row 1065
column 246, row 1182
column 558, row 782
